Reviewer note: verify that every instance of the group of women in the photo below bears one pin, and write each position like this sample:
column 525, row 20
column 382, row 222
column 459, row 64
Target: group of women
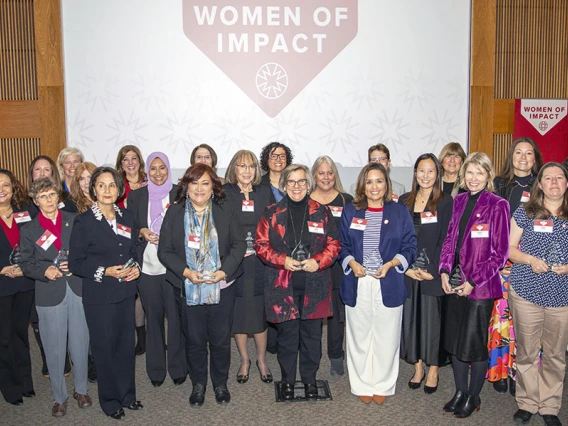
column 434, row 275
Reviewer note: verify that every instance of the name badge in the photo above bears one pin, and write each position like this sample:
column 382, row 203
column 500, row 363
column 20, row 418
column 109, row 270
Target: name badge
column 248, row 206
column 193, row 241
column 315, row 227
column 359, row 224
column 543, row 226
column 22, row 217
column 395, row 198
column 123, row 230
column 336, row 211
column 61, row 205
column 480, row 231
column 428, row 217
column 46, row 240
column 525, row 197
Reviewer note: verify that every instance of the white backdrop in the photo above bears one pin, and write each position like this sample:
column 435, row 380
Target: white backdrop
column 132, row 76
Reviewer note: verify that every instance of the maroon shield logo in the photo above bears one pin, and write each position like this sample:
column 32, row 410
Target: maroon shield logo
column 271, row 48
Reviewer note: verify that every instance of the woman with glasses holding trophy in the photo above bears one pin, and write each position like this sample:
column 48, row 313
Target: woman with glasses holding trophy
column 538, row 296
column 431, row 210
column 474, row 251
column 378, row 244
column 58, row 295
column 103, row 252
column 149, row 205
column 202, row 246
column 298, row 240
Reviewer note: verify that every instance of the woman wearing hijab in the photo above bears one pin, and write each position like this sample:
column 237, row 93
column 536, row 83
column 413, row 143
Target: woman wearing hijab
column 149, row 205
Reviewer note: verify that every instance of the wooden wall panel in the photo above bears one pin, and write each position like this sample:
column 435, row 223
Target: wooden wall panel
column 17, row 153
column 501, row 145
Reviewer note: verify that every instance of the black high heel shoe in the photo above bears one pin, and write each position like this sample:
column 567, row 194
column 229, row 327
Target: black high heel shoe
column 431, row 389
column 243, row 378
column 414, row 385
column 266, row 378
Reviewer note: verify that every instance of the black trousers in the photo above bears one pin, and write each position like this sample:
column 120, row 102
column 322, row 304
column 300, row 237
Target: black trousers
column 305, row 336
column 212, row 323
column 336, row 327
column 159, row 302
column 15, row 361
column 111, row 328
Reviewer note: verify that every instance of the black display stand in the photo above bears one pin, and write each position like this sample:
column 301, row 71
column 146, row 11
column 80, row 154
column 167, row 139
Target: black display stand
column 324, row 392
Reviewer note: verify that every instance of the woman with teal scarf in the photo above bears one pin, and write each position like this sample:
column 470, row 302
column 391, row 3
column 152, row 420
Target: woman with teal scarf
column 202, row 247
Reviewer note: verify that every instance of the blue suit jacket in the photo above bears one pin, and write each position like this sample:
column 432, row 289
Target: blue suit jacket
column 397, row 237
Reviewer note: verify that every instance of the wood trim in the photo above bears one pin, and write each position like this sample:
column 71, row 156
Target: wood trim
column 503, row 115
column 20, row 119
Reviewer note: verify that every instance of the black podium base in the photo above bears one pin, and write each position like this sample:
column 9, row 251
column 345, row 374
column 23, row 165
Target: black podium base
column 324, row 393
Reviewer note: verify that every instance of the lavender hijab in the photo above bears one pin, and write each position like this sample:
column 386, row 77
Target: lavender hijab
column 156, row 193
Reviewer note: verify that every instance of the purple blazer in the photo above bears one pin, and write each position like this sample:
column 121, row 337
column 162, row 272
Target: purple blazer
column 481, row 258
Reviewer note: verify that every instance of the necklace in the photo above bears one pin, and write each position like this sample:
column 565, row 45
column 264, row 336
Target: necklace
column 8, row 215
column 296, row 243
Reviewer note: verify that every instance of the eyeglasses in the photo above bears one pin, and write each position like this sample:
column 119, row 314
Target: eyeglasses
column 45, row 197
column 277, row 156
column 379, row 159
column 202, row 158
column 245, row 167
column 301, row 183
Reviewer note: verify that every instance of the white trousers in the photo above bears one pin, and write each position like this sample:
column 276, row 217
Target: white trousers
column 373, row 341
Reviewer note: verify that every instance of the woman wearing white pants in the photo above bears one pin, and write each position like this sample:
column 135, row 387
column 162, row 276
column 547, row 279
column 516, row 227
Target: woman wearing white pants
column 378, row 243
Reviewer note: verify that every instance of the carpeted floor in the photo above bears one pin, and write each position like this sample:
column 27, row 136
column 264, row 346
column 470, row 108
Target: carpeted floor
column 253, row 403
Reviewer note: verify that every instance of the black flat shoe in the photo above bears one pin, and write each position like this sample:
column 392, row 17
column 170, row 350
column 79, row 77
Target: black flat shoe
column 118, row 415
column 197, row 397
column 414, row 385
column 467, row 407
column 451, row 405
column 522, row 416
column 17, row 402
column 500, row 386
column 243, row 378
column 222, row 395
column 157, row 383
column 311, row 390
column 180, row 380
column 266, row 378
column 287, row 391
column 551, row 420
column 512, row 387
column 431, row 389
column 135, row 406
column 29, row 394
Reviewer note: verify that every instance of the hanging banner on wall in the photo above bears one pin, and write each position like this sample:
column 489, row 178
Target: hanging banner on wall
column 544, row 121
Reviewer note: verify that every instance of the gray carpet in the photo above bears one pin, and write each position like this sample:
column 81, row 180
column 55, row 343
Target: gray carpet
column 253, row 403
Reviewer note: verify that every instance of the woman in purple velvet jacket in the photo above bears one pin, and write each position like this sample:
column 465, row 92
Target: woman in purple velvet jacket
column 475, row 249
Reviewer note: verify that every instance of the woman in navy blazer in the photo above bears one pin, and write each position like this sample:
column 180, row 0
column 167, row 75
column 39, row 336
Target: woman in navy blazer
column 16, row 295
column 378, row 243
column 102, row 242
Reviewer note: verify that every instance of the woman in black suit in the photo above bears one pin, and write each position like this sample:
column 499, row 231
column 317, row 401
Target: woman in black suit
column 431, row 210
column 101, row 247
column 250, row 199
column 149, row 205
column 16, row 294
column 201, row 227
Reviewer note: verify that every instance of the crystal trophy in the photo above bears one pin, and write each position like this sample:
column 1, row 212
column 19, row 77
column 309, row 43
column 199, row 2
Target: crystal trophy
column 250, row 244
column 16, row 255
column 156, row 224
column 205, row 265
column 373, row 263
column 456, row 277
column 553, row 255
column 422, row 261
column 300, row 253
column 62, row 256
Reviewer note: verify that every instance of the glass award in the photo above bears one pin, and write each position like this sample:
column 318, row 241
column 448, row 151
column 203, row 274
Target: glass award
column 300, row 253
column 62, row 256
column 156, row 224
column 250, row 244
column 422, row 261
column 16, row 255
column 553, row 255
column 373, row 263
column 456, row 277
column 206, row 267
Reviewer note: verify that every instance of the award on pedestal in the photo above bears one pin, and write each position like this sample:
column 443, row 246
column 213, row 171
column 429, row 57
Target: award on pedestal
column 206, row 266
column 62, row 256
column 373, row 263
column 553, row 255
column 300, row 253
column 422, row 261
column 456, row 277
column 15, row 255
column 250, row 244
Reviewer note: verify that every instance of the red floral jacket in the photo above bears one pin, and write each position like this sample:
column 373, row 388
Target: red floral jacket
column 272, row 246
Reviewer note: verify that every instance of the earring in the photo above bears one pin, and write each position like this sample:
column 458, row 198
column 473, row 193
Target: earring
column 212, row 195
